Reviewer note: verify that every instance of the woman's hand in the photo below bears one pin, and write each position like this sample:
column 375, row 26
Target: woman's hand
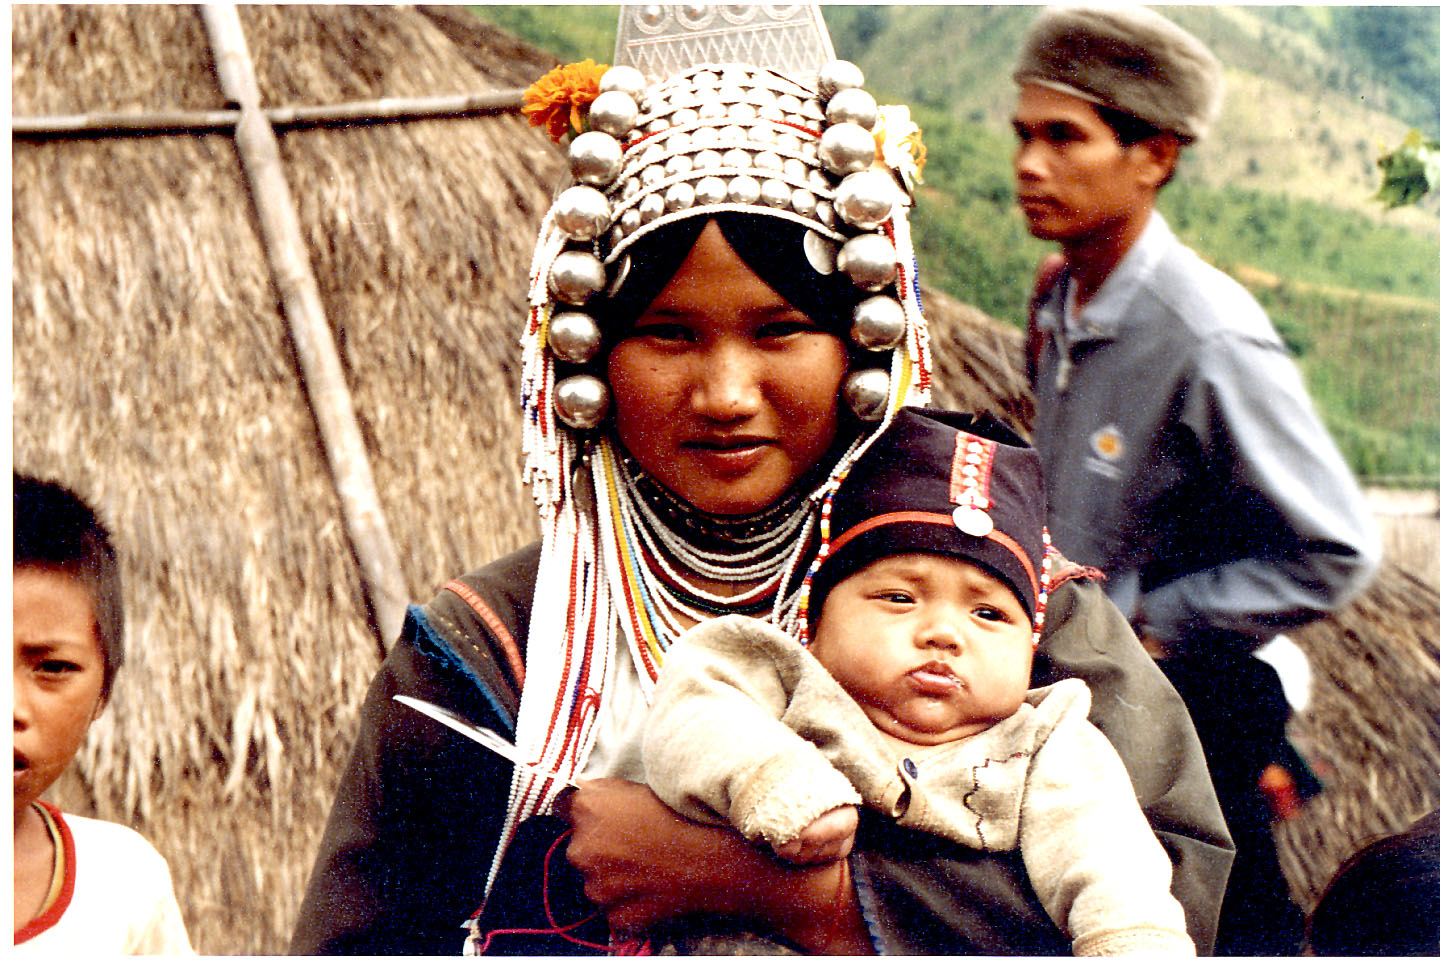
column 642, row 864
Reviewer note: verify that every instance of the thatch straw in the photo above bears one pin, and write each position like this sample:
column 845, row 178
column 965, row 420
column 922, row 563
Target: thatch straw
column 151, row 367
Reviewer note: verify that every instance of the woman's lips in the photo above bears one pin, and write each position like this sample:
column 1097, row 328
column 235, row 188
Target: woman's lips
column 730, row 456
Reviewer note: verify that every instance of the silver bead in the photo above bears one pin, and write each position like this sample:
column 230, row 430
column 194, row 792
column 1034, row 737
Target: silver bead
column 794, row 170
column 767, row 160
column 679, row 141
column 684, row 117
column 651, row 14
column 596, row 158
column 629, row 221
column 705, row 138
column 744, row 189
column 651, row 175
column 867, row 392
column 707, row 159
column 825, row 213
column 575, row 276
column 866, row 199
column 574, row 337
column 788, row 102
column 853, row 106
column 775, row 193
column 711, row 110
column 728, row 92
column 736, row 158
column 803, row 203
column 582, row 212
column 847, row 148
column 614, row 113
column 651, row 206
column 788, row 142
column 678, row 164
column 709, row 191
column 741, row 112
column 731, row 136
column 879, row 323
column 839, row 75
column 680, row 196
column 582, row 401
column 625, row 79
column 706, row 79
column 869, row 261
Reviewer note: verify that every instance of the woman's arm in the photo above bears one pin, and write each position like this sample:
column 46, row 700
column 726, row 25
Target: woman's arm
column 643, row 864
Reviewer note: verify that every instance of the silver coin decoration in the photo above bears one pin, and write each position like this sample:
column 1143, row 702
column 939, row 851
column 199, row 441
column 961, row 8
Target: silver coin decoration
column 582, row 401
column 839, row 75
column 846, row 148
column 582, row 212
column 595, row 158
column 853, row 106
column 576, row 276
column 866, row 199
column 867, row 392
column 574, row 337
column 973, row 521
column 869, row 261
column 626, row 80
column 614, row 113
column 879, row 323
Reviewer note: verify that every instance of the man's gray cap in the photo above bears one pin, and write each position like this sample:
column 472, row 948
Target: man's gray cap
column 1128, row 58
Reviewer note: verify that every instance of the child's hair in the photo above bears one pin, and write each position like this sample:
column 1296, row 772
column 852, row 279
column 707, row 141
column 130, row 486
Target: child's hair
column 56, row 530
column 1384, row 900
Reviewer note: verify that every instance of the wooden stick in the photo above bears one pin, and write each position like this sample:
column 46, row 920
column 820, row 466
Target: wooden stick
column 324, row 378
column 385, row 110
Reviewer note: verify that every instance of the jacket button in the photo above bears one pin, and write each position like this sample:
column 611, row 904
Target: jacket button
column 910, row 769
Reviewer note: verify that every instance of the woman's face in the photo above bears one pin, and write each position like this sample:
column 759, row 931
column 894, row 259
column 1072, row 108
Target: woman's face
column 724, row 392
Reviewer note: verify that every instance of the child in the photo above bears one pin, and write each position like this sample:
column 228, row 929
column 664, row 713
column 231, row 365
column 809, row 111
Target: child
column 82, row 887
column 926, row 601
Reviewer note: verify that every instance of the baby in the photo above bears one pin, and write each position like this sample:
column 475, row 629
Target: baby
column 926, row 601
column 82, row 887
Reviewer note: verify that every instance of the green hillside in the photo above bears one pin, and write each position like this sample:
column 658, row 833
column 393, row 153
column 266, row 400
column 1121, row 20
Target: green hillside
column 1280, row 195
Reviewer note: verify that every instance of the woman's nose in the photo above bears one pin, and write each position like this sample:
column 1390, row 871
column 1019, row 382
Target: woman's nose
column 727, row 384
column 1027, row 162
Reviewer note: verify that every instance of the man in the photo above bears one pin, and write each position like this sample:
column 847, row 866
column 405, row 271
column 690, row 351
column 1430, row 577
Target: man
column 1181, row 452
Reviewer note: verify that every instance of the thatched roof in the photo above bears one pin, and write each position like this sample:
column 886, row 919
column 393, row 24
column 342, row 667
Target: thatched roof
column 152, row 370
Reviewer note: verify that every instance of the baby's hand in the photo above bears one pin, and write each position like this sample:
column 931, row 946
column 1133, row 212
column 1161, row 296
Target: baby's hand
column 828, row 837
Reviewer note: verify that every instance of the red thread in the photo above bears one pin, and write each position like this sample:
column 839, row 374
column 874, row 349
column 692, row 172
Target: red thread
column 554, row 928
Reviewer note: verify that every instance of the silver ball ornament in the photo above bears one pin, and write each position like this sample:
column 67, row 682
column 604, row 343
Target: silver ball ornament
column 614, row 113
column 869, row 261
column 867, row 392
column 709, row 191
column 879, row 323
column 575, row 276
column 596, row 158
column 853, row 106
column 625, row 79
column 866, row 199
column 574, row 337
column 839, row 75
column 744, row 190
column 582, row 212
column 582, row 401
column 846, row 148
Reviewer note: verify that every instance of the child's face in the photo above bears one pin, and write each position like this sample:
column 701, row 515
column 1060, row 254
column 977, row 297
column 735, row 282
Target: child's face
column 59, row 671
column 932, row 648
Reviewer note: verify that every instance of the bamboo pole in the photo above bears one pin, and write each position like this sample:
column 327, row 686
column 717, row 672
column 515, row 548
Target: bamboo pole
column 384, row 110
column 320, row 366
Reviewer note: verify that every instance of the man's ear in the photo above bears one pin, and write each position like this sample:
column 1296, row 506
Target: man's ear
column 1159, row 155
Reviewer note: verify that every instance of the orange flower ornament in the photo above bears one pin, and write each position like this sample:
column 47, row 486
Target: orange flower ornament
column 560, row 100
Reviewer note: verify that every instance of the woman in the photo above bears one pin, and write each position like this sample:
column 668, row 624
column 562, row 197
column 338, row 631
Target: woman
column 722, row 284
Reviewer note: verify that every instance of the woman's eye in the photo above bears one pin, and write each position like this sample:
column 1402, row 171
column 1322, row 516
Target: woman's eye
column 57, row 667
column 787, row 327
column 668, row 332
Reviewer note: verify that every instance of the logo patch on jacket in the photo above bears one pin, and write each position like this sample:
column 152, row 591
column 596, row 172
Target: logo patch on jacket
column 1107, row 449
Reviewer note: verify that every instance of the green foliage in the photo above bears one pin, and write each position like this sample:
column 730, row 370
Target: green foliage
column 1410, row 171
column 570, row 33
